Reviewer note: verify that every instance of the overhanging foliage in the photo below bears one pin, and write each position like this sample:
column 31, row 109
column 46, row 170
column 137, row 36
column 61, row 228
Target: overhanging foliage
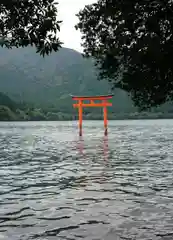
column 132, row 43
column 30, row 22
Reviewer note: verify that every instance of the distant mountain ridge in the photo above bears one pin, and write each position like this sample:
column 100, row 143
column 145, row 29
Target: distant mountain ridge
column 49, row 81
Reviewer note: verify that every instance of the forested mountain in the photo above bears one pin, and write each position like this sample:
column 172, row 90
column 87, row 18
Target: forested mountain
column 6, row 101
column 46, row 83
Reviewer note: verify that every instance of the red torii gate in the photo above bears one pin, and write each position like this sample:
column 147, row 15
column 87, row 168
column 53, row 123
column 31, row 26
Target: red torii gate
column 81, row 103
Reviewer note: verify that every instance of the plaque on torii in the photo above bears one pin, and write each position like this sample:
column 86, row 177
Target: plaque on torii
column 102, row 101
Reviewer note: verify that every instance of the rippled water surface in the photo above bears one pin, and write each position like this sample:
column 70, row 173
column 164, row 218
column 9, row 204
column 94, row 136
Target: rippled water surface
column 55, row 185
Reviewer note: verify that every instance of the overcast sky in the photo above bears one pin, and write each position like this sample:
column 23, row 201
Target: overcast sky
column 67, row 10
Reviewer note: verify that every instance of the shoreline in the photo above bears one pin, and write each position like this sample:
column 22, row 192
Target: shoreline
column 99, row 119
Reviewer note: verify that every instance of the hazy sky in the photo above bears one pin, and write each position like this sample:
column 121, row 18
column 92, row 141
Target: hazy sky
column 67, row 10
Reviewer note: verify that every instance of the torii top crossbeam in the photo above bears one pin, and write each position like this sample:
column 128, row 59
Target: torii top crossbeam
column 100, row 97
column 81, row 103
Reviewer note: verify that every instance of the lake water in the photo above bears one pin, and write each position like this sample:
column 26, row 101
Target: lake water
column 55, row 185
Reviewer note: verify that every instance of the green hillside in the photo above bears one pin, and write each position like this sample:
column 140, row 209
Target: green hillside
column 47, row 81
column 6, row 101
column 46, row 84
column 7, row 106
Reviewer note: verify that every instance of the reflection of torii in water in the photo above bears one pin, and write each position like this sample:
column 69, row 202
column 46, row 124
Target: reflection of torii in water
column 81, row 145
column 87, row 179
column 104, row 147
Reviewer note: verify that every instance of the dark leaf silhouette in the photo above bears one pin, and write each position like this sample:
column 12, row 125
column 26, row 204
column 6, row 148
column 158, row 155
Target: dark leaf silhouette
column 132, row 43
column 30, row 22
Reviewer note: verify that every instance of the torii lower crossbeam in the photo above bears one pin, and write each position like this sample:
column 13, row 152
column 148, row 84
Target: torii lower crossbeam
column 103, row 102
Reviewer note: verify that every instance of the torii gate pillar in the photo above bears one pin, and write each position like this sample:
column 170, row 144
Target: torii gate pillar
column 81, row 103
